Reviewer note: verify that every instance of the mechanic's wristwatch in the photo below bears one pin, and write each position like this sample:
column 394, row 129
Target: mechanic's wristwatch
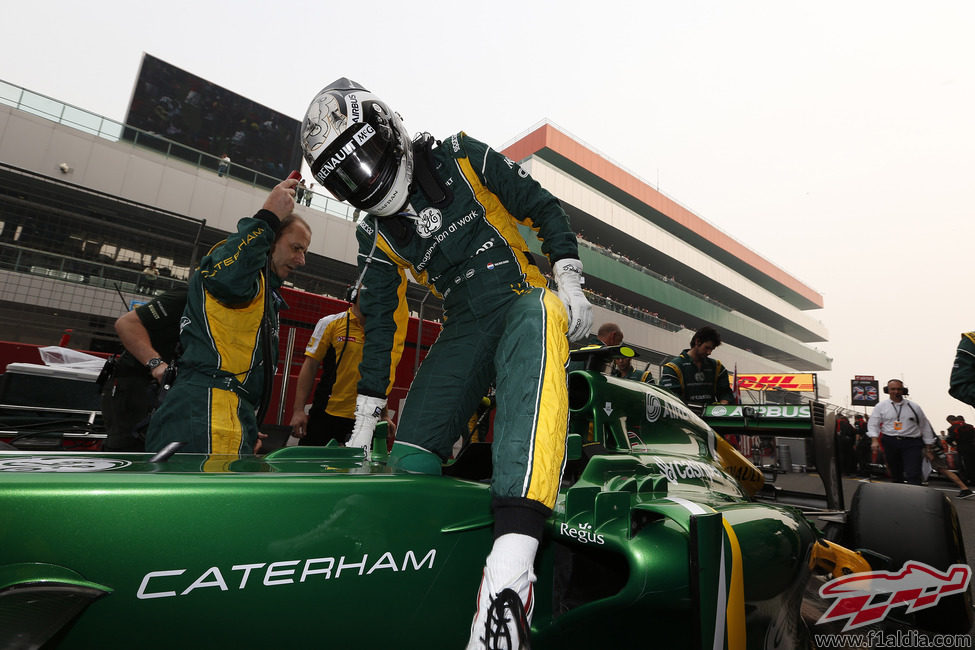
column 153, row 363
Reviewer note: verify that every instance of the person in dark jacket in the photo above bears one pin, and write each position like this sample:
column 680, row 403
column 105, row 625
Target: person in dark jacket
column 846, row 437
column 150, row 334
column 961, row 436
column 864, row 453
column 962, row 382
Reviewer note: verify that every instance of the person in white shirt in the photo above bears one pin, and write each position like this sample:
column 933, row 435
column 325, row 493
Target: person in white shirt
column 905, row 430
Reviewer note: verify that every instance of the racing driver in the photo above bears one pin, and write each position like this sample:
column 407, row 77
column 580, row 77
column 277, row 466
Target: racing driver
column 448, row 212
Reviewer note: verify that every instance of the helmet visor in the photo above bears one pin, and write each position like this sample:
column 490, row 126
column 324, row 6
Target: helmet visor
column 351, row 166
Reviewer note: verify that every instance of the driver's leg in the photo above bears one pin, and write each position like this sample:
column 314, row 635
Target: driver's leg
column 445, row 392
column 529, row 447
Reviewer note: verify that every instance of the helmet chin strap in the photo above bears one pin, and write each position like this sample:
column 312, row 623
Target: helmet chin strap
column 406, row 211
column 365, row 265
column 434, row 189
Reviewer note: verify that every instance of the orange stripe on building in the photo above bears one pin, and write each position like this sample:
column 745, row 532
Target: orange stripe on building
column 548, row 137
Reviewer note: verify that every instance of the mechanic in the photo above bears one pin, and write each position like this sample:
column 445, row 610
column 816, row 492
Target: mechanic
column 611, row 334
column 623, row 367
column 694, row 376
column 337, row 340
column 149, row 334
column 962, row 383
column 905, row 430
column 229, row 333
column 448, row 212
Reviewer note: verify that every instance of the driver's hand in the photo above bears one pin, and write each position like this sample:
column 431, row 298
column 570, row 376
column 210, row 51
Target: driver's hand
column 568, row 275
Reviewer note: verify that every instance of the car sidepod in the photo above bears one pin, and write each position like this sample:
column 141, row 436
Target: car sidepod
column 656, row 542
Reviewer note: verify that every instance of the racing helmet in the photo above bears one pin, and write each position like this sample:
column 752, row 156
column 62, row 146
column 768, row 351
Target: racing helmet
column 358, row 148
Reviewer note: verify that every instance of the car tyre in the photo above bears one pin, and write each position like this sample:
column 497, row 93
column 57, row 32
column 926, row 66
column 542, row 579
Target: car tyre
column 881, row 515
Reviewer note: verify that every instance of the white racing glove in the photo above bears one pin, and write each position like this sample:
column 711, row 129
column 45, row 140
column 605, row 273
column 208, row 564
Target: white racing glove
column 568, row 275
column 368, row 410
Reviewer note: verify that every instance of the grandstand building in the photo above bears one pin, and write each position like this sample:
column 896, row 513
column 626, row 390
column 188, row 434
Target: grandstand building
column 665, row 271
column 86, row 203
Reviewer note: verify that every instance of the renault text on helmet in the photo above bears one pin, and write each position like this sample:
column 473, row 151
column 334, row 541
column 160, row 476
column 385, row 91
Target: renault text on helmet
column 358, row 148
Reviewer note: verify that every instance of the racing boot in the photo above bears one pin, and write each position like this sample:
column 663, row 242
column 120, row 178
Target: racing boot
column 505, row 600
column 411, row 459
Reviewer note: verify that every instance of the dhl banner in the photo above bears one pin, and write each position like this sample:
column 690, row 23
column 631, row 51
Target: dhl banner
column 800, row 382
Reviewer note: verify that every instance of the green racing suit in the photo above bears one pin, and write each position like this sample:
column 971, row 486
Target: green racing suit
column 212, row 406
column 500, row 323
column 694, row 385
column 962, row 382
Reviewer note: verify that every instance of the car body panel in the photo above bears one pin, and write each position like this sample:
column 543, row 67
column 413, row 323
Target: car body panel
column 654, row 537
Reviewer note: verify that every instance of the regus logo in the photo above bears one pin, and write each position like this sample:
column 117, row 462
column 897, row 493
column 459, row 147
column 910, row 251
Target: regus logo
column 583, row 533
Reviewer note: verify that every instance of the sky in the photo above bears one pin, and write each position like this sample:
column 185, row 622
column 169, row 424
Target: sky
column 835, row 139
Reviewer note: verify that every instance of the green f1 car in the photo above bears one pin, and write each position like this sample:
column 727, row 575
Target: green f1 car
column 659, row 538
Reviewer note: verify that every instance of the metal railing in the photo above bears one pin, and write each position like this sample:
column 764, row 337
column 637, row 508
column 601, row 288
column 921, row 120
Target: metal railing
column 23, row 259
column 113, row 131
column 622, row 259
